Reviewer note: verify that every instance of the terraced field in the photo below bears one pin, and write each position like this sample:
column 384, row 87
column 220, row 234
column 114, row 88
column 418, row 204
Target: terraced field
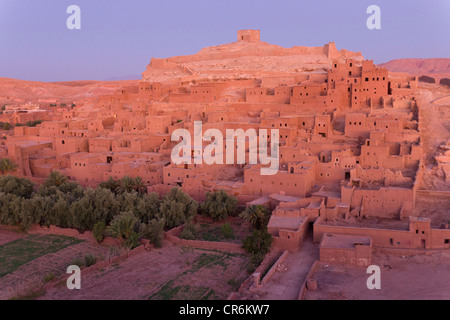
column 31, row 260
column 170, row 273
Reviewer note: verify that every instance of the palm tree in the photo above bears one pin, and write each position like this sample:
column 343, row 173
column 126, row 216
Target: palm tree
column 139, row 185
column 257, row 215
column 122, row 226
column 6, row 166
column 55, row 179
column 111, row 185
column 126, row 185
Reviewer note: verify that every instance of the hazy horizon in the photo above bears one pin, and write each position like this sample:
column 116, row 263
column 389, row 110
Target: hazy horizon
column 117, row 38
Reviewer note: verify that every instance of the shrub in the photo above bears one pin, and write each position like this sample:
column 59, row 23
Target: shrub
column 251, row 267
column 189, row 232
column 154, row 231
column 219, row 205
column 99, row 231
column 235, row 283
column 258, row 244
column 89, row 260
column 49, row 277
column 227, row 231
column 77, row 262
column 132, row 241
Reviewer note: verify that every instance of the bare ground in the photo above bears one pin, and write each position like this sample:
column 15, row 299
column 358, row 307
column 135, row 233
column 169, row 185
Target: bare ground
column 8, row 236
column 434, row 110
column 417, row 277
column 168, row 273
column 26, row 264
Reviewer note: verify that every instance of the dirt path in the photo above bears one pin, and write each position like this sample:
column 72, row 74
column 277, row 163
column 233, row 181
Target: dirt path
column 286, row 285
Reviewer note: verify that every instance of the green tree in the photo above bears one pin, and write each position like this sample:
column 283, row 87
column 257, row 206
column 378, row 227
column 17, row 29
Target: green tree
column 7, row 166
column 257, row 215
column 147, row 207
column 18, row 186
column 219, row 205
column 177, row 208
column 10, row 209
column 40, row 208
column 96, row 205
column 128, row 201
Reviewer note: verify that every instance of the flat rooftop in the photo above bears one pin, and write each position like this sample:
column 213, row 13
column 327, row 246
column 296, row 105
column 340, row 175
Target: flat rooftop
column 293, row 223
column 343, row 241
column 375, row 223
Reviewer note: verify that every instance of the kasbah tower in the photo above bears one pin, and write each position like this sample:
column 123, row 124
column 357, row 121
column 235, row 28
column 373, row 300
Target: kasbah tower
column 350, row 141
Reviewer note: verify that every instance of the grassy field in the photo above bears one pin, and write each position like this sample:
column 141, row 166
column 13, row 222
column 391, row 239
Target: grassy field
column 181, row 288
column 19, row 252
column 213, row 232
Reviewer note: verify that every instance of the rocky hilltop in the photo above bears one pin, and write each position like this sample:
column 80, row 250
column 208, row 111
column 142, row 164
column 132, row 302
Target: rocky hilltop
column 245, row 60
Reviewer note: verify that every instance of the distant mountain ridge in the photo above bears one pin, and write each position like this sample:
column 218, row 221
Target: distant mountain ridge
column 127, row 77
column 419, row 66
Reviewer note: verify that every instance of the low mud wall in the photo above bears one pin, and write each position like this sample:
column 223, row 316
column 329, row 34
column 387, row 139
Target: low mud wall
column 173, row 236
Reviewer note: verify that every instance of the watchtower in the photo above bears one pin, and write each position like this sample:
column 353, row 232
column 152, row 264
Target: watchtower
column 249, row 35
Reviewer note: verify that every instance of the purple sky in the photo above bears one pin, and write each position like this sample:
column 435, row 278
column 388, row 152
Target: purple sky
column 118, row 38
